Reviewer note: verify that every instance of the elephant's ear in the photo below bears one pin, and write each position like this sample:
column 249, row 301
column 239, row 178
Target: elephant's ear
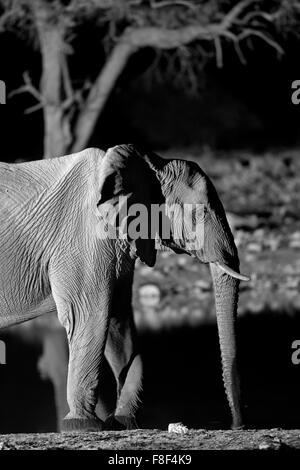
column 126, row 181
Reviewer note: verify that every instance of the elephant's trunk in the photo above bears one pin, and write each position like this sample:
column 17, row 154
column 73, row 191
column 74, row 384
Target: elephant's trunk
column 226, row 295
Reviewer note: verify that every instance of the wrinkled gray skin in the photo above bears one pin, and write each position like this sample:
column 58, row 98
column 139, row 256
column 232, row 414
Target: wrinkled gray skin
column 52, row 258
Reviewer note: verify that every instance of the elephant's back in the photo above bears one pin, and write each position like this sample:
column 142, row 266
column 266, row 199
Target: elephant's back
column 17, row 185
column 23, row 183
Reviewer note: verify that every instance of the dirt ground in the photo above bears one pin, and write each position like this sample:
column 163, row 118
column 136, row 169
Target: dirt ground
column 263, row 440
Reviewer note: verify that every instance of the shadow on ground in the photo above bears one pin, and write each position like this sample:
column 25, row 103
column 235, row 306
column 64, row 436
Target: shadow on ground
column 183, row 379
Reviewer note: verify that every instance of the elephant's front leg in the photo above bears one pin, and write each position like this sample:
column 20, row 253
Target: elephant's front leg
column 84, row 312
column 122, row 354
column 126, row 363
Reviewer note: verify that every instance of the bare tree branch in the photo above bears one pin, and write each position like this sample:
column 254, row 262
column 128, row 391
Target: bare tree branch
column 237, row 47
column 235, row 12
column 34, row 108
column 164, row 38
column 252, row 32
column 269, row 17
column 219, row 53
column 168, row 3
column 28, row 87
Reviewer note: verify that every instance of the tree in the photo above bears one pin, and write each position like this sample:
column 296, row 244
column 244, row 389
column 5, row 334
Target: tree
column 189, row 30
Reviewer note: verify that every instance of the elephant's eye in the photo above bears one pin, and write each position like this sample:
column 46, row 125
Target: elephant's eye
column 198, row 213
column 194, row 215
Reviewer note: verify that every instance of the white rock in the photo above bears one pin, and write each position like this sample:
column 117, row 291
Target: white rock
column 264, row 446
column 177, row 428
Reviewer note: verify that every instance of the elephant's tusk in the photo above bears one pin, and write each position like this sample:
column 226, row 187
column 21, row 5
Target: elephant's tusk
column 231, row 272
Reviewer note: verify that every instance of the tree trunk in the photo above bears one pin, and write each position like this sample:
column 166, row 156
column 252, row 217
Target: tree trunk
column 51, row 39
column 99, row 94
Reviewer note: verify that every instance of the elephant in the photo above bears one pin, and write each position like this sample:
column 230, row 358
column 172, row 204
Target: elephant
column 63, row 251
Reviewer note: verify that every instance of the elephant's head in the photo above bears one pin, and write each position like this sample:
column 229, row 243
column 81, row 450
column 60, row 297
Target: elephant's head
column 198, row 226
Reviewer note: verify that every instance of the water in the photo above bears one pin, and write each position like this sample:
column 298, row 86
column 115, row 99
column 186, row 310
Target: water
column 182, row 379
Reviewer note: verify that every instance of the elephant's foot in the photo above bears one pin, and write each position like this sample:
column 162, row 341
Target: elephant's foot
column 120, row 423
column 81, row 425
column 237, row 423
column 236, row 427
